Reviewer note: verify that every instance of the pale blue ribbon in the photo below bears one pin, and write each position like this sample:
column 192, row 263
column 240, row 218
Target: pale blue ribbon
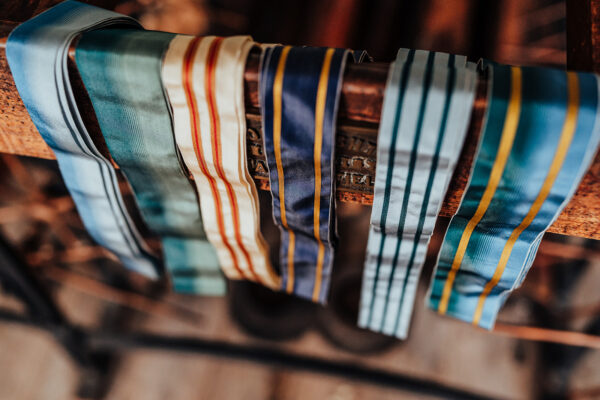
column 426, row 111
column 37, row 52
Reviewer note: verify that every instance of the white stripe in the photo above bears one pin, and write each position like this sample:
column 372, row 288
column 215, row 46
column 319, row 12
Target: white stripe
column 425, row 150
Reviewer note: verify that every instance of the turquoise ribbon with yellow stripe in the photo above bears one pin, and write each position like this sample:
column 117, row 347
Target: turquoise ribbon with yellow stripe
column 540, row 135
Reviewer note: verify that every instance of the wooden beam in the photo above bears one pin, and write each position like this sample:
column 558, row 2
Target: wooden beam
column 360, row 109
column 583, row 35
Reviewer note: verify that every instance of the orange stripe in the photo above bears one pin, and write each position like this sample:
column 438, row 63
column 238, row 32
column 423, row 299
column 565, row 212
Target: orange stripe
column 215, row 124
column 277, row 107
column 188, row 64
column 319, row 117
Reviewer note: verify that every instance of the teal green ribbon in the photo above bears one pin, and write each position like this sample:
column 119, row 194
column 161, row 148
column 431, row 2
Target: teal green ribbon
column 121, row 72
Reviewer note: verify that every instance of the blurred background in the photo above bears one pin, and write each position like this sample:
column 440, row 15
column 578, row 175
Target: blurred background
column 245, row 339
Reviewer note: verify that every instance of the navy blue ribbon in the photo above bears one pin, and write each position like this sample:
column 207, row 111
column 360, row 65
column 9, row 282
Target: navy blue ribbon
column 299, row 92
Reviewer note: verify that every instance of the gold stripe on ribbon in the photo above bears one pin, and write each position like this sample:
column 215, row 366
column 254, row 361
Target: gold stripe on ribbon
column 509, row 131
column 566, row 136
column 277, row 109
column 319, row 116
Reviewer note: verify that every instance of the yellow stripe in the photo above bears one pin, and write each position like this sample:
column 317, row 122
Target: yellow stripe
column 277, row 98
column 319, row 116
column 566, row 136
column 511, row 122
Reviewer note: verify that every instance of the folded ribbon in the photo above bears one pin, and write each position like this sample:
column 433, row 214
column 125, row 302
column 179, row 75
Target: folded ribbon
column 426, row 111
column 37, row 53
column 121, row 70
column 204, row 79
column 541, row 133
column 299, row 94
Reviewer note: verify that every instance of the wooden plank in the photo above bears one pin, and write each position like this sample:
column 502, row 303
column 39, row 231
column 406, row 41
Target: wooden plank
column 18, row 135
column 583, row 35
column 360, row 108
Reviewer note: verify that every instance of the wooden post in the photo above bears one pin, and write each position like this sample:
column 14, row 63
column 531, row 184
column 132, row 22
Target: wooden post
column 583, row 52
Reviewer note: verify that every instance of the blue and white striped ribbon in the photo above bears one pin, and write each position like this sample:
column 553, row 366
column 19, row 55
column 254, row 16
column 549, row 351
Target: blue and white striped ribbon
column 37, row 53
column 427, row 107
column 541, row 133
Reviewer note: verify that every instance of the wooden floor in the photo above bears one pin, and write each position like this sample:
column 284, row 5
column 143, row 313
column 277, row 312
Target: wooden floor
column 34, row 367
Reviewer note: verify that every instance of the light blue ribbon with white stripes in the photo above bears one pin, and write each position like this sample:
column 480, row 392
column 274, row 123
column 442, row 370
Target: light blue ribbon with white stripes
column 427, row 107
column 37, row 54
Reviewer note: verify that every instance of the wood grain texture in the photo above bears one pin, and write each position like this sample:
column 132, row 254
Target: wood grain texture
column 360, row 109
column 579, row 35
column 18, row 135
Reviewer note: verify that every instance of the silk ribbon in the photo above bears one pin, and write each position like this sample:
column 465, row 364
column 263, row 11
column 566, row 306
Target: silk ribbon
column 426, row 111
column 37, row 52
column 299, row 94
column 121, row 70
column 541, row 133
column 204, row 79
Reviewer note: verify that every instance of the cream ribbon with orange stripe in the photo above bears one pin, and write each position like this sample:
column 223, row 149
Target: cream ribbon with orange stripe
column 204, row 81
